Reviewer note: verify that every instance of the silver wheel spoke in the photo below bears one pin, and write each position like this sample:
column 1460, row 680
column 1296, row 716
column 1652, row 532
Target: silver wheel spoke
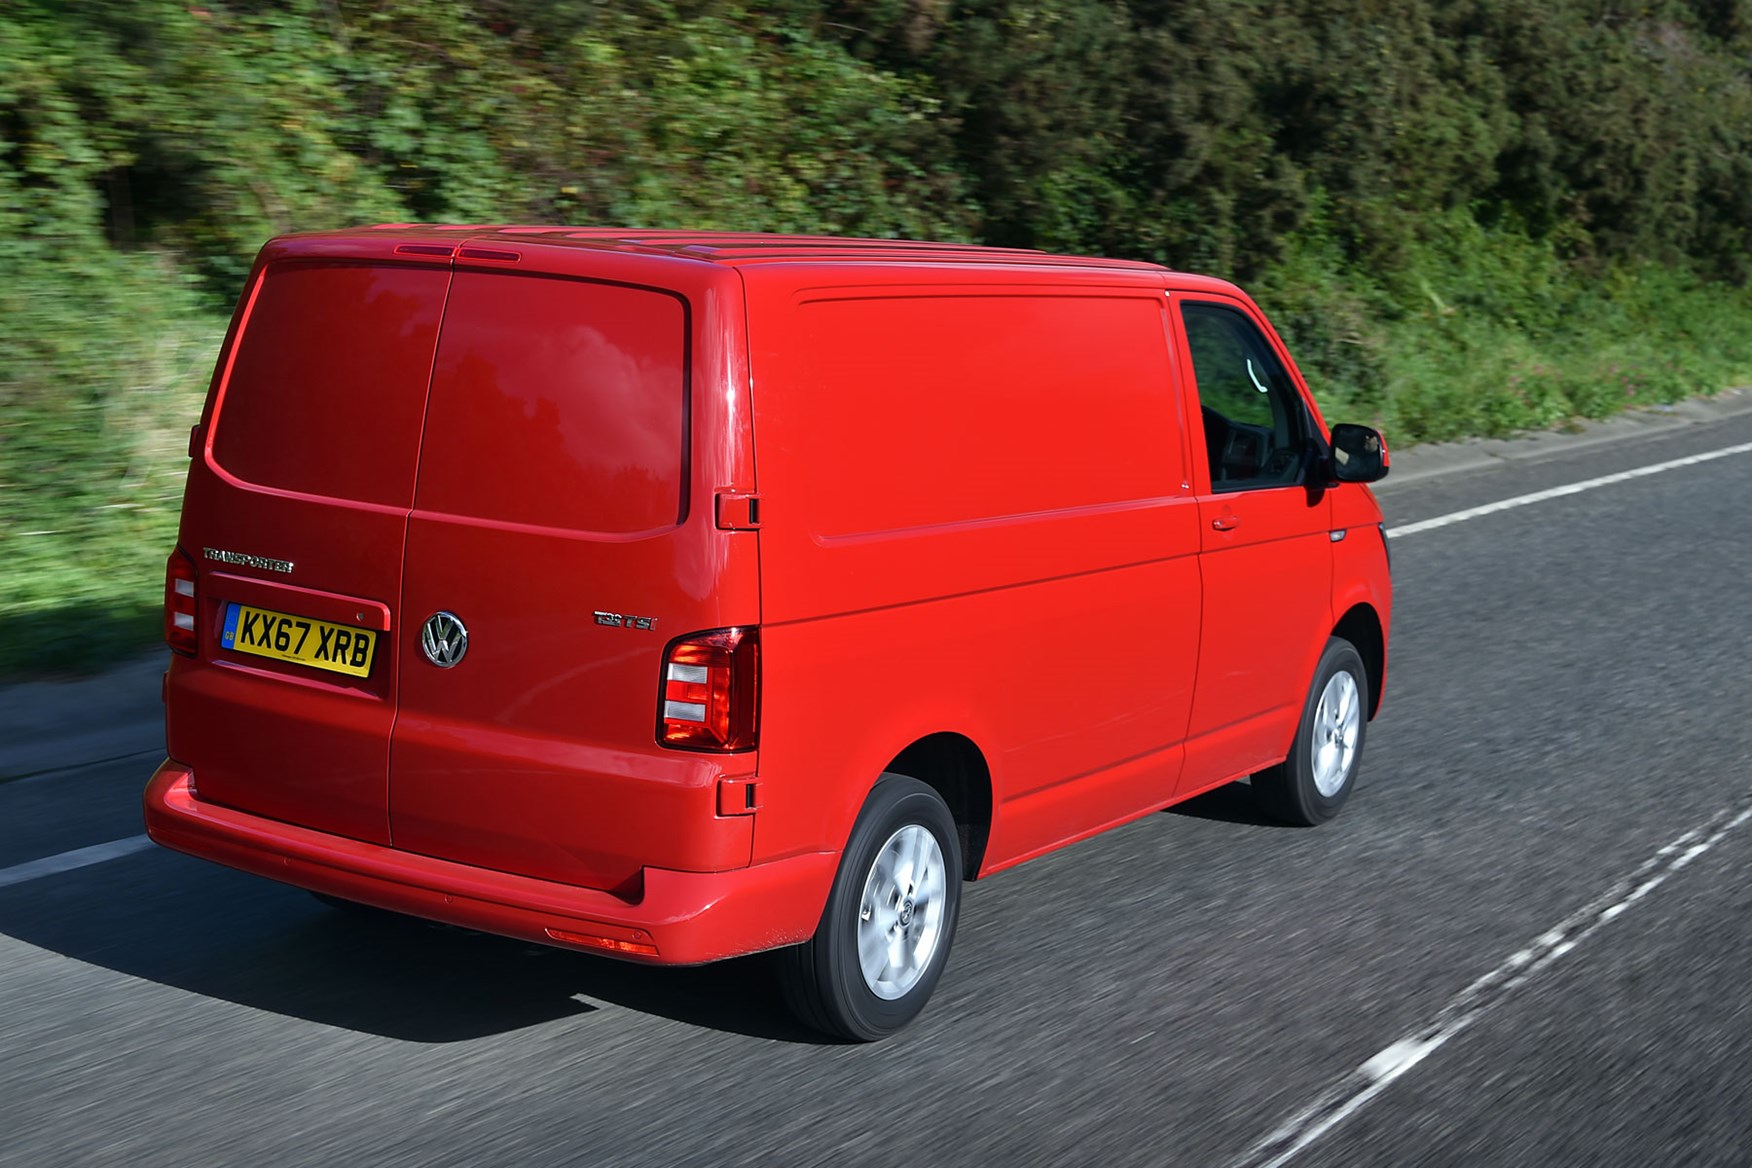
column 901, row 912
column 1333, row 735
column 872, row 953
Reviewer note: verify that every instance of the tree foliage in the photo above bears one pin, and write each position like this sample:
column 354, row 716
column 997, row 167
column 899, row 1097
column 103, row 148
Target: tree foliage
column 1199, row 132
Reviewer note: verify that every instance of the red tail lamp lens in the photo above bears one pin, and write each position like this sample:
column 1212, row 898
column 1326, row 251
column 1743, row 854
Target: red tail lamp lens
column 711, row 691
column 179, row 604
column 606, row 944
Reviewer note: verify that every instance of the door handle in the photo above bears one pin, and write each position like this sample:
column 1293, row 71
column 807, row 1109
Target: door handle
column 1226, row 522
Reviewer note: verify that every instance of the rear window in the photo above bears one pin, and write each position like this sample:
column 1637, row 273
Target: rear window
column 558, row 403
column 328, row 384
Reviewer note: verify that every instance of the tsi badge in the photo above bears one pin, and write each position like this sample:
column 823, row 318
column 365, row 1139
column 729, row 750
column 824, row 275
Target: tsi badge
column 444, row 639
column 618, row 620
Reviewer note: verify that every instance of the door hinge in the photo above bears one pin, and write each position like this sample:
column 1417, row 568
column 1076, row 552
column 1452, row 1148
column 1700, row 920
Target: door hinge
column 738, row 797
column 738, row 511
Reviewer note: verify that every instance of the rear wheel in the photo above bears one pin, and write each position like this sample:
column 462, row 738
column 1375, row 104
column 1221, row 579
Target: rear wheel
column 1310, row 786
column 884, row 936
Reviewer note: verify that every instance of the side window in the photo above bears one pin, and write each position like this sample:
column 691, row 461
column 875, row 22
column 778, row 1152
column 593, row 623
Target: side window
column 1256, row 428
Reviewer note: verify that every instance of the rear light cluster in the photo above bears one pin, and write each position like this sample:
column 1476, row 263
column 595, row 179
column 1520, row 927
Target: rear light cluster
column 711, row 691
column 179, row 604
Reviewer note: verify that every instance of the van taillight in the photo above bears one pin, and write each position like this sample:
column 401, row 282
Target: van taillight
column 179, row 603
column 711, row 691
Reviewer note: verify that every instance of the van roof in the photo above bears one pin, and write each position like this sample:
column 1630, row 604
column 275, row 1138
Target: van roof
column 748, row 249
column 734, row 247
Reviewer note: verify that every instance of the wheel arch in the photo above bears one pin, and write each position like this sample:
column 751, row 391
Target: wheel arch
column 1361, row 626
column 953, row 766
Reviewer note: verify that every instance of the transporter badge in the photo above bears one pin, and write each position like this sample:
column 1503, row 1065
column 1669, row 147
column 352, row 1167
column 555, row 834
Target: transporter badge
column 267, row 563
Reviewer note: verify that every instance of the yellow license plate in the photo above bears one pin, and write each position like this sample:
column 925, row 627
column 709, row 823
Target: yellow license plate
column 298, row 639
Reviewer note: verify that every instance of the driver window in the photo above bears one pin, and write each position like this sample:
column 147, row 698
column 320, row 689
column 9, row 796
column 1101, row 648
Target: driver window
column 1256, row 429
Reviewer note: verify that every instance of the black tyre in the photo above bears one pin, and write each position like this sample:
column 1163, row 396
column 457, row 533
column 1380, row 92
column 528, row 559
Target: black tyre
column 1310, row 786
column 884, row 936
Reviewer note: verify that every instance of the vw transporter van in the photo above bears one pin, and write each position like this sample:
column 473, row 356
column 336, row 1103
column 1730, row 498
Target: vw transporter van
column 677, row 596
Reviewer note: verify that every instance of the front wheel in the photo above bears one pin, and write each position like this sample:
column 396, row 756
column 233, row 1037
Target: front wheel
column 1310, row 786
column 884, row 936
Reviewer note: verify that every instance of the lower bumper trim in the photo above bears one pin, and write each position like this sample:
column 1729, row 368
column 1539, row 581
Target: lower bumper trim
column 680, row 918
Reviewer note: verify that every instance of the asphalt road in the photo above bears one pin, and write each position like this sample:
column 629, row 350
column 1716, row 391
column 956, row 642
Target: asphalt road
column 1493, row 931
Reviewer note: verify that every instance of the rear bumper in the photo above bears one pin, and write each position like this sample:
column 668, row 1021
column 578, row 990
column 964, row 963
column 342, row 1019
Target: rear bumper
column 681, row 918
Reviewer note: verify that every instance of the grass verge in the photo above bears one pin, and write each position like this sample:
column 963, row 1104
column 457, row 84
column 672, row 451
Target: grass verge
column 1483, row 332
column 102, row 371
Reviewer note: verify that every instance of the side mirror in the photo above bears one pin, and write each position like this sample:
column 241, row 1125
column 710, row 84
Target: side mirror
column 1359, row 454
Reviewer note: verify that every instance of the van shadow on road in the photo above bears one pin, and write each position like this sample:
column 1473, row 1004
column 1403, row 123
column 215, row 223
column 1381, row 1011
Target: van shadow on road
column 228, row 936
column 235, row 938
column 1230, row 803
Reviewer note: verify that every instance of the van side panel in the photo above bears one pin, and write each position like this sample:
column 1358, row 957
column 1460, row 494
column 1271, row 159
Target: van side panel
column 1064, row 762
column 976, row 519
column 925, row 436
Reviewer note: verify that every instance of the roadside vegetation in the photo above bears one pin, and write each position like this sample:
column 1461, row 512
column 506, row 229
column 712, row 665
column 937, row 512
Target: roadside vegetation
column 1469, row 216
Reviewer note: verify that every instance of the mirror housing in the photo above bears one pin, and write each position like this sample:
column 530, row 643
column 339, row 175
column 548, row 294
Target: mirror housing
column 1359, row 455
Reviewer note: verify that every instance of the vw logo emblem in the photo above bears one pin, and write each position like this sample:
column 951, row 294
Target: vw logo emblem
column 444, row 639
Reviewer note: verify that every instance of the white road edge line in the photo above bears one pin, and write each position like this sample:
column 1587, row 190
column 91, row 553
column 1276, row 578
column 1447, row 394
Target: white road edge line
column 1622, row 476
column 69, row 861
column 1361, row 1086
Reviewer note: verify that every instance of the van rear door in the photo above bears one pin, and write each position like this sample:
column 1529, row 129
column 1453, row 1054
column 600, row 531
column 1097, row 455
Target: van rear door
column 296, row 515
column 555, row 522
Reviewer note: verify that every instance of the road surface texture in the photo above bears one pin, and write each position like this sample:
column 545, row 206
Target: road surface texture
column 1528, row 940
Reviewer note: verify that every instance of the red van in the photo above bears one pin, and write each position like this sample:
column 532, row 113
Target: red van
column 677, row 596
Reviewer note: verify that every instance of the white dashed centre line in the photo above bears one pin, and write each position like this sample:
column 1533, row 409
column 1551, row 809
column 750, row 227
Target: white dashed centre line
column 1358, row 1089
